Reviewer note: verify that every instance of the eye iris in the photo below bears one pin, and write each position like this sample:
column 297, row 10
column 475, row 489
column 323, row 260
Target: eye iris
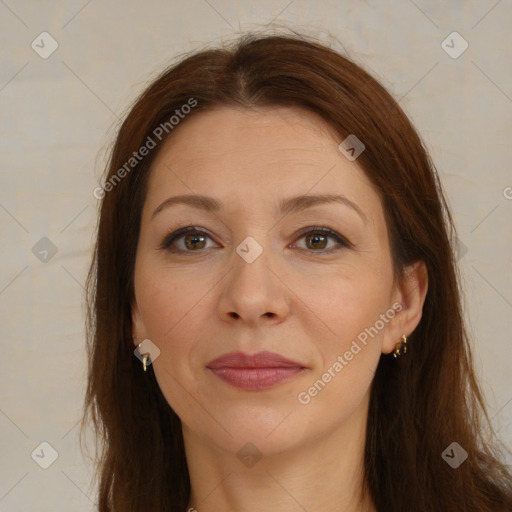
column 194, row 237
column 314, row 238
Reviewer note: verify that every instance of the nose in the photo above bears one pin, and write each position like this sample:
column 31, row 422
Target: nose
column 254, row 290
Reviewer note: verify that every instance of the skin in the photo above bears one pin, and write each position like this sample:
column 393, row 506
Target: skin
column 296, row 298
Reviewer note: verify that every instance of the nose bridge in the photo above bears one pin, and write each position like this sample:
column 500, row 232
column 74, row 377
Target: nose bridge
column 253, row 289
column 253, row 233
column 252, row 259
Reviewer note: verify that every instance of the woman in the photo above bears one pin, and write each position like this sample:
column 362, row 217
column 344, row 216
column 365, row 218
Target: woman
column 275, row 320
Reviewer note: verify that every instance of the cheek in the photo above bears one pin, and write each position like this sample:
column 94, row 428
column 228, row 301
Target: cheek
column 170, row 307
column 348, row 347
column 344, row 303
column 167, row 296
column 176, row 307
column 348, row 340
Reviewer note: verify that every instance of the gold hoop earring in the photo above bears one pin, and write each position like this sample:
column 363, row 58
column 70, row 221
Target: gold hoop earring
column 145, row 357
column 144, row 361
column 399, row 346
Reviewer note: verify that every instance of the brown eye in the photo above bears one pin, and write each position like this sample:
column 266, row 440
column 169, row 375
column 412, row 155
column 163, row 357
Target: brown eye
column 194, row 240
column 316, row 240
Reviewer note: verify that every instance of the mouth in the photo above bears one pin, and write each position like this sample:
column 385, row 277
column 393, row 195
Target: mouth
column 254, row 372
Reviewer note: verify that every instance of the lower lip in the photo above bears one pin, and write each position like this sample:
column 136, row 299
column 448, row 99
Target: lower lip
column 255, row 379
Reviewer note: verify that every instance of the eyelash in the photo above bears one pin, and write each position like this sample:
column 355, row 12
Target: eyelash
column 321, row 230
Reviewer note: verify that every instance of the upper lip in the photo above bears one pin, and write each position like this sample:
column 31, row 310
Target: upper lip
column 263, row 359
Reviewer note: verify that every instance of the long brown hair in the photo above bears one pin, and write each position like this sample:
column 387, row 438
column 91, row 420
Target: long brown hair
column 419, row 403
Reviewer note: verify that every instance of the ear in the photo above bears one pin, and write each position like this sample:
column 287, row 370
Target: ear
column 410, row 294
column 138, row 327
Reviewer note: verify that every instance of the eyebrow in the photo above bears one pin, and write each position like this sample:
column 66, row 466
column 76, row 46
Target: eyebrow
column 286, row 206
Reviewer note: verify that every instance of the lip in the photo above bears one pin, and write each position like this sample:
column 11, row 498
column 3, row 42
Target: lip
column 255, row 372
column 263, row 359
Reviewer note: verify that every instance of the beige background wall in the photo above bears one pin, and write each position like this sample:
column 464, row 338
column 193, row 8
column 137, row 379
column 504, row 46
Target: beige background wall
column 59, row 112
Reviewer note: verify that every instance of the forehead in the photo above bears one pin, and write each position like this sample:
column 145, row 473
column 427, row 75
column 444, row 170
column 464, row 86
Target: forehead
column 213, row 132
column 261, row 154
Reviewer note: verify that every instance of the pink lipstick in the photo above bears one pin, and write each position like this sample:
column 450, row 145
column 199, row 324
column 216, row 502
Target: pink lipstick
column 254, row 372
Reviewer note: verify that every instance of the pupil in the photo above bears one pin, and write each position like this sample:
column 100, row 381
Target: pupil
column 316, row 238
column 192, row 237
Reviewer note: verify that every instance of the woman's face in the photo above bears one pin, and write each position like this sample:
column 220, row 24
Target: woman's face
column 257, row 275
